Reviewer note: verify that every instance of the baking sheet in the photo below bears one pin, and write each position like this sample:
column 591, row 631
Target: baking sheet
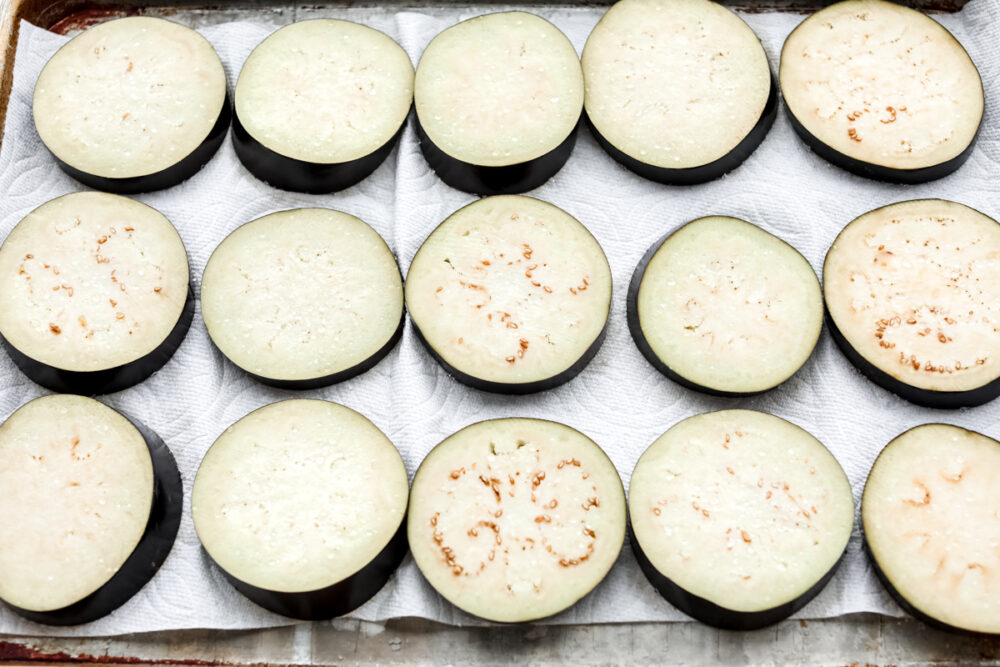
column 619, row 400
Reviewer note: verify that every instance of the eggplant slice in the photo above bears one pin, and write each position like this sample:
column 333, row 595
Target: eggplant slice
column 931, row 518
column 320, row 105
column 882, row 91
column 331, row 313
column 498, row 100
column 514, row 520
column 91, row 505
column 723, row 307
column 302, row 504
column 510, row 294
column 133, row 105
column 678, row 91
column 739, row 518
column 94, row 293
column 913, row 295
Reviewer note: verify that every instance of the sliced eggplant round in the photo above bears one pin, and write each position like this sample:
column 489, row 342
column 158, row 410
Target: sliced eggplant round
column 913, row 295
column 133, row 105
column 94, row 293
column 678, row 91
column 723, row 307
column 882, row 91
column 510, row 294
column 498, row 100
column 931, row 518
column 320, row 104
column 301, row 504
column 514, row 520
column 304, row 298
column 739, row 518
column 91, row 505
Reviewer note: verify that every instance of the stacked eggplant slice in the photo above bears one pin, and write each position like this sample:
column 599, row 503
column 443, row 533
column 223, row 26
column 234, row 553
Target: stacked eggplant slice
column 722, row 306
column 739, row 518
column 94, row 293
column 91, row 502
column 498, row 100
column 510, row 294
column 678, row 91
column 303, row 298
column 516, row 519
column 913, row 296
column 133, row 105
column 302, row 504
column 882, row 90
column 320, row 105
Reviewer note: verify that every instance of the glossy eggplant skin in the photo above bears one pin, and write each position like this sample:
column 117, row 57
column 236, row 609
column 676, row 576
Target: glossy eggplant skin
column 508, row 180
column 705, row 172
column 169, row 177
column 147, row 557
column 946, row 400
column 510, row 387
column 338, row 599
column 712, row 614
column 876, row 171
column 91, row 383
column 339, row 376
column 288, row 173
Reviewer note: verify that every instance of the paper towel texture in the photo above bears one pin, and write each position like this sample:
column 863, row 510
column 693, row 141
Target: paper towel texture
column 619, row 400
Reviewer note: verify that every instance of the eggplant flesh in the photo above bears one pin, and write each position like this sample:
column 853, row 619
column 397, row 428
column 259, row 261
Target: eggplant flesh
column 914, row 116
column 324, row 534
column 498, row 134
column 912, row 312
column 739, row 518
column 723, row 307
column 510, row 294
column 157, row 534
column 930, row 526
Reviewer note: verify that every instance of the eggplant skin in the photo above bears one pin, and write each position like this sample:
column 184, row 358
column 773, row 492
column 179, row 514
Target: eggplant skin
column 166, row 178
column 876, row 171
column 147, row 557
column 339, row 376
column 287, row 173
column 712, row 614
column 91, row 383
column 519, row 388
column 705, row 172
column 338, row 599
column 928, row 398
column 508, row 180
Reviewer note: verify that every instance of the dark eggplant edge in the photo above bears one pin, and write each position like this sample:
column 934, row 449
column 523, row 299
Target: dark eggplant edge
column 173, row 175
column 290, row 174
column 706, row 172
column 145, row 560
column 928, row 398
column 530, row 619
column 362, row 366
column 515, row 388
column 709, row 613
column 894, row 593
column 337, row 599
column 639, row 337
column 487, row 181
column 340, row 597
column 876, row 171
column 106, row 381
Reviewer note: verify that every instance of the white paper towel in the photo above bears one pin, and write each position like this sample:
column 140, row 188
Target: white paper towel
column 619, row 400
